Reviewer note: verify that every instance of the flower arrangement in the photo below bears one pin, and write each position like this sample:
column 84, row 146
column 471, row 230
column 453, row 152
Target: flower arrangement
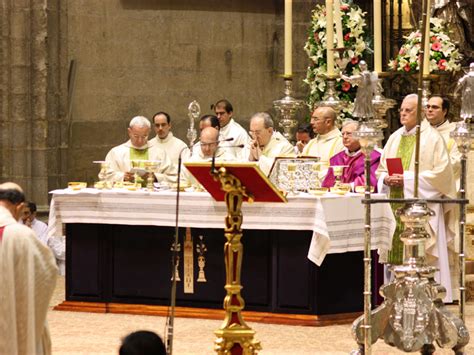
column 444, row 56
column 353, row 27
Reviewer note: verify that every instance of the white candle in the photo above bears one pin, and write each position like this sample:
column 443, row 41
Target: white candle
column 338, row 21
column 378, row 36
column 426, row 57
column 330, row 37
column 288, row 38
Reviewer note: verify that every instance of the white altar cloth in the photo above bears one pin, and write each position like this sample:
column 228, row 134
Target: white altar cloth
column 337, row 221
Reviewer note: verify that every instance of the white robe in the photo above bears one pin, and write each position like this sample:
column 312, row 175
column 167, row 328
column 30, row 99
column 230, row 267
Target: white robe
column 324, row 146
column 278, row 146
column 454, row 154
column 172, row 146
column 239, row 135
column 435, row 181
column 118, row 159
column 27, row 281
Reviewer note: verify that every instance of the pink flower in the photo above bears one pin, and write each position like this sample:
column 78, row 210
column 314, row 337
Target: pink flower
column 407, row 67
column 347, row 36
column 344, row 7
column 436, row 46
column 395, row 64
column 316, row 36
column 355, row 60
column 442, row 64
column 402, row 51
column 434, row 39
column 346, row 86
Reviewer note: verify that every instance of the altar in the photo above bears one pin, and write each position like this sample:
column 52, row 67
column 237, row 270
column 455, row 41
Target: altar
column 302, row 260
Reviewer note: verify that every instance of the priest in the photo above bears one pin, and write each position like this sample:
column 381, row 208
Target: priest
column 27, row 280
column 328, row 140
column 436, row 180
column 266, row 144
column 354, row 160
column 138, row 148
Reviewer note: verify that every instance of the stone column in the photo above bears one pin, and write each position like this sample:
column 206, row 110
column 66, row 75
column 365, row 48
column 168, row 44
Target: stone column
column 30, row 96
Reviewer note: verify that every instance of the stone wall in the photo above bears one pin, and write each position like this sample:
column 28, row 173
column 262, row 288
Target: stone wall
column 139, row 57
column 30, row 92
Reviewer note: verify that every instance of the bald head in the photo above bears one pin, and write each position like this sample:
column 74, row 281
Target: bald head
column 408, row 111
column 323, row 120
column 209, row 137
column 12, row 198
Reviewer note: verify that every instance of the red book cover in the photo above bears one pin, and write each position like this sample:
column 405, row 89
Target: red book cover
column 394, row 166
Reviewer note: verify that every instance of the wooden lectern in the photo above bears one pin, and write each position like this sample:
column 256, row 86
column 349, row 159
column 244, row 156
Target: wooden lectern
column 235, row 183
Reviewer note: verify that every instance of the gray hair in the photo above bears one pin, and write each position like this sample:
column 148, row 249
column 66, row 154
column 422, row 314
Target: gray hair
column 349, row 122
column 411, row 96
column 140, row 121
column 267, row 119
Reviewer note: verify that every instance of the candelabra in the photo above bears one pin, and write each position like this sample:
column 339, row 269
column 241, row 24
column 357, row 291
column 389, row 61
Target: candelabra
column 287, row 106
column 330, row 97
column 381, row 105
column 368, row 136
column 462, row 137
column 194, row 110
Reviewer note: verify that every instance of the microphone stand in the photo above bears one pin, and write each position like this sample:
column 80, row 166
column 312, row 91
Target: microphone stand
column 169, row 331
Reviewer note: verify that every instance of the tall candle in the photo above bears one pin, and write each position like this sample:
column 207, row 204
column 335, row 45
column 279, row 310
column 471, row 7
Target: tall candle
column 426, row 57
column 288, row 38
column 378, row 36
column 330, row 37
column 338, row 21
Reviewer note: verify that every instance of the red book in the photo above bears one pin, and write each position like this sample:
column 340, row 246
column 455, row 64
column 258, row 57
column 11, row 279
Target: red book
column 394, row 166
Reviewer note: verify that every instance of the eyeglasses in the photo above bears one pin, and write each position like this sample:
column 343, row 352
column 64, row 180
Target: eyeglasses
column 407, row 110
column 433, row 107
column 137, row 136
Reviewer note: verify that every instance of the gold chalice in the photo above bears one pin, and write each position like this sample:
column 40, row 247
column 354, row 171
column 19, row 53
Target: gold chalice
column 150, row 167
column 103, row 178
column 338, row 170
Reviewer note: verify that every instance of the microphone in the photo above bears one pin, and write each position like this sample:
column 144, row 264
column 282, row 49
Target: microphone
column 213, row 164
column 170, row 321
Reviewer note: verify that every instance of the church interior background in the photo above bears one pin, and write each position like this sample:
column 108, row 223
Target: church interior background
column 74, row 72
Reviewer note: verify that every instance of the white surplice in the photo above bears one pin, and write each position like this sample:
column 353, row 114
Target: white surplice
column 239, row 137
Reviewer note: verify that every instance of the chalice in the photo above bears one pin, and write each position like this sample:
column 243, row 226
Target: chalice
column 103, row 179
column 338, row 170
column 150, row 167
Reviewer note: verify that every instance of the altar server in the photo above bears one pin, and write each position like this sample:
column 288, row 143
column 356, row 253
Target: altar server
column 27, row 280
column 138, row 148
column 436, row 112
column 435, row 180
column 354, row 159
column 229, row 128
column 328, row 141
column 266, row 144
column 165, row 138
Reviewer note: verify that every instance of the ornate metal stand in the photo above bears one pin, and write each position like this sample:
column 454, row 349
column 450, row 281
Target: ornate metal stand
column 426, row 91
column 368, row 137
column 234, row 336
column 381, row 105
column 462, row 137
column 413, row 315
column 287, row 106
column 194, row 110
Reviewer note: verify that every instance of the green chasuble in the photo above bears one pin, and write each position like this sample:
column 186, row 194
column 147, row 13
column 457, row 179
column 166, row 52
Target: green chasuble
column 405, row 152
column 139, row 154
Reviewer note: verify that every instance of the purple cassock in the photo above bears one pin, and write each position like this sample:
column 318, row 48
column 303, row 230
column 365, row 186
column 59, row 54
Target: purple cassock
column 355, row 169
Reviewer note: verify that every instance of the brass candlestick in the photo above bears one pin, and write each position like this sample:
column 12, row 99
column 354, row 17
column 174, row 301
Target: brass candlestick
column 381, row 106
column 234, row 336
column 330, row 98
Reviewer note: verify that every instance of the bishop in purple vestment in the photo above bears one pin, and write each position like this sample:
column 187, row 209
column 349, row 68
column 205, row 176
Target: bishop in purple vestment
column 353, row 157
